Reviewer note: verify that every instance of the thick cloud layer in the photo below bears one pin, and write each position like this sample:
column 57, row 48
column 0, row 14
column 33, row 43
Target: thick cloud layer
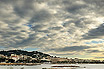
column 95, row 33
column 72, row 48
column 52, row 25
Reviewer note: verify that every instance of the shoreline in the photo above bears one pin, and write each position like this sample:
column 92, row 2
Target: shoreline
column 27, row 64
column 32, row 64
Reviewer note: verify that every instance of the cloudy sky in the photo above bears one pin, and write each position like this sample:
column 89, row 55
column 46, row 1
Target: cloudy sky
column 65, row 28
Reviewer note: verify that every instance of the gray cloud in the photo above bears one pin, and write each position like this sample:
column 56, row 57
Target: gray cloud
column 24, row 7
column 94, row 51
column 63, row 54
column 55, row 25
column 37, row 27
column 72, row 48
column 99, row 57
column 56, row 28
column 74, row 6
column 42, row 16
column 95, row 33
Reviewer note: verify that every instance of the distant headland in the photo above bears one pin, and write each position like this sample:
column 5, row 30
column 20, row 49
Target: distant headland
column 21, row 56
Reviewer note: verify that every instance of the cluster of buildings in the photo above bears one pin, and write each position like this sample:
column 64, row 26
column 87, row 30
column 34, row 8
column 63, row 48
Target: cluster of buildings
column 16, row 58
column 75, row 60
column 28, row 59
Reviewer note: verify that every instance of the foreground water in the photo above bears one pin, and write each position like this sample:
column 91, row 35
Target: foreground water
column 82, row 66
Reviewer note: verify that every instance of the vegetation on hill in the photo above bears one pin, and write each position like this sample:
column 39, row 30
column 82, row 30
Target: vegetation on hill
column 33, row 54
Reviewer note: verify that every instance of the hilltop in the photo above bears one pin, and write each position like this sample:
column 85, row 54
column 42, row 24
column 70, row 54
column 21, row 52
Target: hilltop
column 33, row 54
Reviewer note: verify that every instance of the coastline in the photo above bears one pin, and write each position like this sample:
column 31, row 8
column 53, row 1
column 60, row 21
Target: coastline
column 28, row 64
column 31, row 64
column 49, row 66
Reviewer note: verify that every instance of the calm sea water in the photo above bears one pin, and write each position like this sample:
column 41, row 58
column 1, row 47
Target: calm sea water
column 88, row 66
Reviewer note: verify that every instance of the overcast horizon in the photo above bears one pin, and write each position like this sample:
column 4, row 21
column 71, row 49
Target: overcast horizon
column 65, row 28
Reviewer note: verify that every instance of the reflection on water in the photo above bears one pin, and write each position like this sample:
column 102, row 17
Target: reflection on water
column 12, row 67
column 82, row 66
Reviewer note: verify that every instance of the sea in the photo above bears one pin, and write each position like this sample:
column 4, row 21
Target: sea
column 82, row 66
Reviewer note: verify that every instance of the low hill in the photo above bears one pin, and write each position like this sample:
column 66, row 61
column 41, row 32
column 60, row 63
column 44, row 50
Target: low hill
column 34, row 54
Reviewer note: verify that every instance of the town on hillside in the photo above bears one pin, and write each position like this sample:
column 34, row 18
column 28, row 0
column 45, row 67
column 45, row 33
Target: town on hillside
column 21, row 56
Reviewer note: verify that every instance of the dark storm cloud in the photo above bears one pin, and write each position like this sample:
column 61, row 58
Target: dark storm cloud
column 95, row 33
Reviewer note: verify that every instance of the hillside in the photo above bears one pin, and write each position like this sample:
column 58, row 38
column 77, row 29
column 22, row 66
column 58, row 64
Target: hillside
column 34, row 54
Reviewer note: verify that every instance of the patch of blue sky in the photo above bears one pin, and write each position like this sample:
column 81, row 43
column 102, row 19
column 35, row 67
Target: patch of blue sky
column 29, row 25
column 94, row 42
column 2, row 48
column 71, row 43
column 47, row 35
column 87, row 43
column 31, row 49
